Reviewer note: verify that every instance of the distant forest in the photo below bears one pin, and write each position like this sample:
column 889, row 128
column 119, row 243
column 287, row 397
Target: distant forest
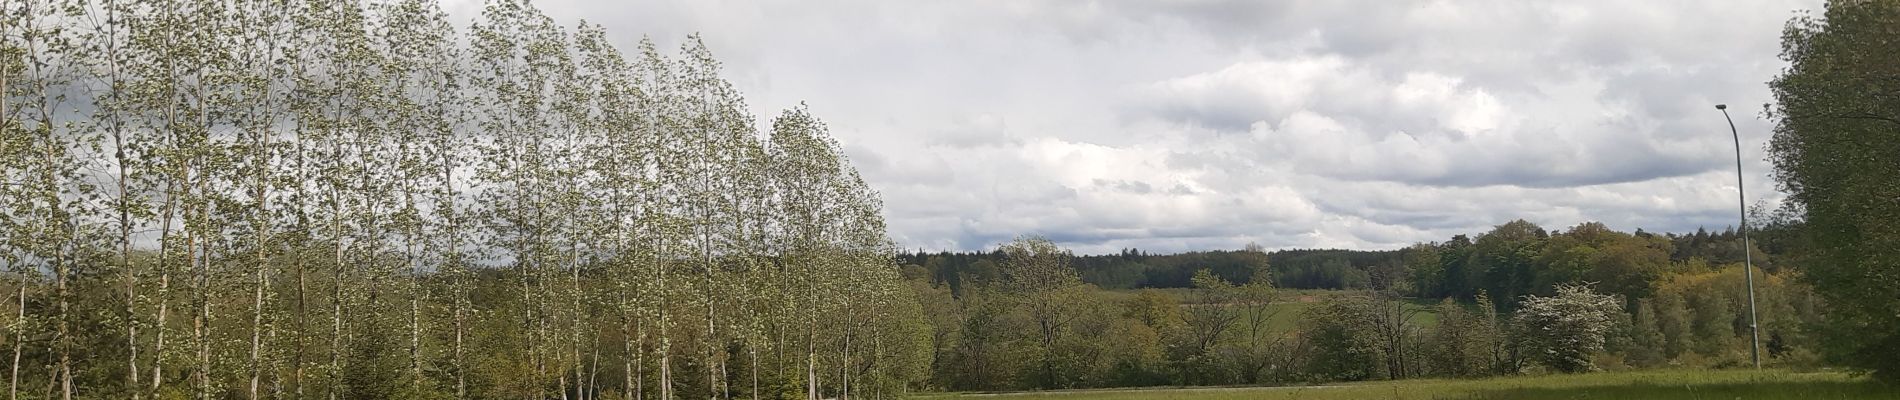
column 1518, row 298
column 1134, row 268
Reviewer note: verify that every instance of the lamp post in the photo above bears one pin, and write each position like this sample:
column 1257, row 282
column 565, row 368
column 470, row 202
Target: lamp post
column 1748, row 268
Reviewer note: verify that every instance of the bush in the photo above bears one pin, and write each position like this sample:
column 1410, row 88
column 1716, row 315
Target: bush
column 1561, row 332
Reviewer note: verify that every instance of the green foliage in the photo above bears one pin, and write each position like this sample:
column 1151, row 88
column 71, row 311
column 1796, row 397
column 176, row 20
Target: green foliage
column 1702, row 317
column 352, row 199
column 1646, row 338
column 1833, row 155
column 1458, row 346
column 1677, row 312
column 989, row 354
column 1343, row 349
column 1562, row 331
column 1207, row 322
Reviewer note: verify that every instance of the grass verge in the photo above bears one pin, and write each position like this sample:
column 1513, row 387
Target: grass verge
column 1654, row 384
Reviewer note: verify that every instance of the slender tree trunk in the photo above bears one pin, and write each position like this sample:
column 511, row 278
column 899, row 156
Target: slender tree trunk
column 666, row 352
column 131, row 280
column 201, row 324
column 261, row 193
column 62, row 271
column 19, row 340
column 575, row 316
column 336, row 302
column 811, row 359
column 780, row 322
column 460, row 319
column 164, row 294
column 48, row 170
column 811, row 337
column 173, row 188
column 451, row 253
column 298, row 360
column 415, row 328
column 634, row 347
column 257, row 315
column 593, row 371
column 844, row 369
column 64, row 331
column 877, row 349
column 461, row 373
column 528, row 325
column 122, row 178
column 276, row 366
column 13, row 380
column 415, row 293
column 640, row 369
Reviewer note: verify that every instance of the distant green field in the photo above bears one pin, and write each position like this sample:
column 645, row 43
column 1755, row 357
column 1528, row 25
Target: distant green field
column 1664, row 384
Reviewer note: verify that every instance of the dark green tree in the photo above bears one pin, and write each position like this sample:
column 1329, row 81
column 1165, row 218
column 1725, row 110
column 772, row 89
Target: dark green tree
column 1646, row 338
column 1343, row 348
column 1838, row 119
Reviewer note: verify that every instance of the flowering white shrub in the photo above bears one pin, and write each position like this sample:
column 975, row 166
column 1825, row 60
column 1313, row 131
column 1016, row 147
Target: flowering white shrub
column 1561, row 331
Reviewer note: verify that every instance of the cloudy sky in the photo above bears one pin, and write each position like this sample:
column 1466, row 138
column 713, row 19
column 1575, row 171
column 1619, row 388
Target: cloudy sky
column 1208, row 124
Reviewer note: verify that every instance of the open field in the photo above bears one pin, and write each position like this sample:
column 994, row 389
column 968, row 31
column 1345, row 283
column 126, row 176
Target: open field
column 1665, row 384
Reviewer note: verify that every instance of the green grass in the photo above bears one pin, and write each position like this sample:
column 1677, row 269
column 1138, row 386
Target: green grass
column 1655, row 384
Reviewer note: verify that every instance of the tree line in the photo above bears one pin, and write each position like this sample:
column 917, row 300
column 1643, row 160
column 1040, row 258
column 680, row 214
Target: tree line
column 1364, row 269
column 356, row 199
column 1517, row 299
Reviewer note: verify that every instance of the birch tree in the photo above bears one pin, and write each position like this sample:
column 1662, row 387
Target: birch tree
column 663, row 200
column 1039, row 270
column 260, row 59
column 802, row 160
column 511, row 161
column 47, row 192
column 422, row 64
column 301, row 160
column 108, row 53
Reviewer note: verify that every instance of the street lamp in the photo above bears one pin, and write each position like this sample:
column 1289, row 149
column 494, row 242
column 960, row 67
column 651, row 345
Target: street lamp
column 1748, row 268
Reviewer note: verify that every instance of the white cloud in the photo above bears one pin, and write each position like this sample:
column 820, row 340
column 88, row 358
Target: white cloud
column 1208, row 124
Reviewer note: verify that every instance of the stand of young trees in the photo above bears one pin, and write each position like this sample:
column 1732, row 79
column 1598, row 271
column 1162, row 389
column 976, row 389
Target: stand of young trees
column 355, row 199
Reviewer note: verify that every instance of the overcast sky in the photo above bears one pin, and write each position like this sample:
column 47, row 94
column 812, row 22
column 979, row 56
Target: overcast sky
column 1200, row 125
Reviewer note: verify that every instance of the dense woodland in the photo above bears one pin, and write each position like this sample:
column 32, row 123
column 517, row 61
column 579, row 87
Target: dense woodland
column 301, row 199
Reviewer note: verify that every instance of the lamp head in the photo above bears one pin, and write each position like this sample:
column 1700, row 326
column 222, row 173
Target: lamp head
column 1721, row 106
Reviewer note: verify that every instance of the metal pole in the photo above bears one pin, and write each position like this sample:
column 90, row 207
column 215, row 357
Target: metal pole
column 1748, row 268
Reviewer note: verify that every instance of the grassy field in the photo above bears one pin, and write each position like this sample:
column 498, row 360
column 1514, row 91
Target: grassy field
column 1665, row 384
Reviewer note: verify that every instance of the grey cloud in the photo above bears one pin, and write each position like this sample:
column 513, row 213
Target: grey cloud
column 1342, row 119
column 1207, row 124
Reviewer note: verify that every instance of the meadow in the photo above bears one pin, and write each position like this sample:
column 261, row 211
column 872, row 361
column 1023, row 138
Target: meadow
column 1652, row 384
